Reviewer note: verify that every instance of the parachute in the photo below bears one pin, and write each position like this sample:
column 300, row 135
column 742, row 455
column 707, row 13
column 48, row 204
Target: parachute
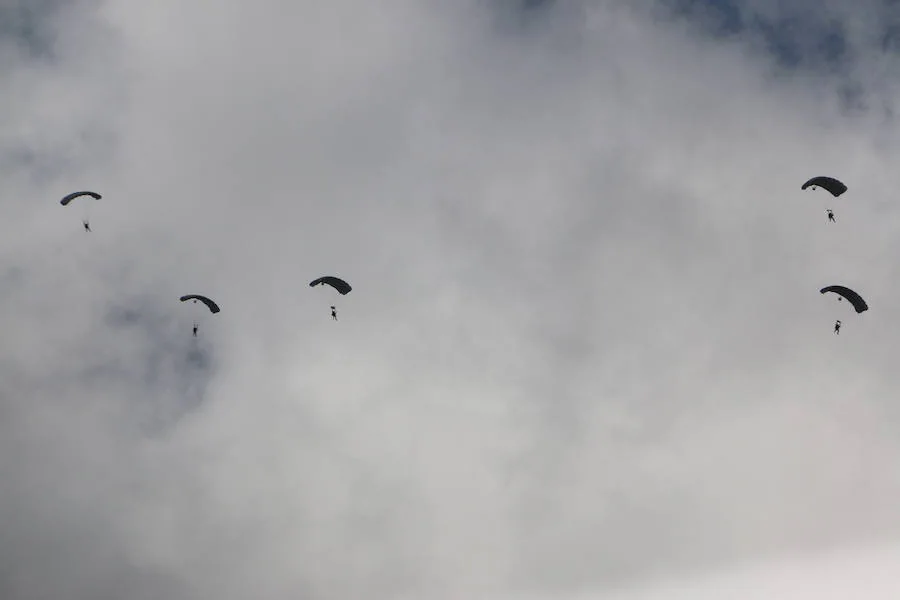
column 855, row 299
column 339, row 284
column 66, row 199
column 213, row 307
column 829, row 183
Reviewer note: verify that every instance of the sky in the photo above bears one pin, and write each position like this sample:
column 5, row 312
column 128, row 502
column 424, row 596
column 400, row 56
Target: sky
column 585, row 355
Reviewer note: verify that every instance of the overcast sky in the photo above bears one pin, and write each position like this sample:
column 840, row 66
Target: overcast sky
column 585, row 355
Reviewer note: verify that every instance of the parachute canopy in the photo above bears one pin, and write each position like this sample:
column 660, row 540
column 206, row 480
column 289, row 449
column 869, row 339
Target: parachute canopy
column 337, row 283
column 855, row 299
column 213, row 307
column 73, row 195
column 829, row 183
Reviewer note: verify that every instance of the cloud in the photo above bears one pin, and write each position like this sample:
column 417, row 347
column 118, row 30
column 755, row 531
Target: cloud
column 863, row 572
column 585, row 348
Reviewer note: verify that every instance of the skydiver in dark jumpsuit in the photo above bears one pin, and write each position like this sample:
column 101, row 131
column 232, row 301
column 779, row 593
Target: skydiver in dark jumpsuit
column 333, row 314
column 837, row 327
column 830, row 215
column 195, row 330
column 87, row 226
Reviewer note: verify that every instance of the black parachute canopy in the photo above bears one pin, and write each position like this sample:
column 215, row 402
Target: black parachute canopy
column 213, row 307
column 829, row 183
column 336, row 282
column 855, row 299
column 69, row 197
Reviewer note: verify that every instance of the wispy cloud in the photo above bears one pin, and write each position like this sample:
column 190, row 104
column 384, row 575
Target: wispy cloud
column 585, row 349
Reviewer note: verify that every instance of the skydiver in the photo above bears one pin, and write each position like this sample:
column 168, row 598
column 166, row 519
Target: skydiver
column 87, row 226
column 333, row 314
column 830, row 215
column 195, row 330
column 837, row 327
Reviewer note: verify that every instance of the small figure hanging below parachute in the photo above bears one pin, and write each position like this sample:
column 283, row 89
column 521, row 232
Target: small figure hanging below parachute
column 69, row 197
column 212, row 306
column 828, row 183
column 337, row 283
column 835, row 187
column 859, row 305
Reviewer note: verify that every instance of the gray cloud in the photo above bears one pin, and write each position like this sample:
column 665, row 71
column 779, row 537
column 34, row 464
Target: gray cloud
column 585, row 348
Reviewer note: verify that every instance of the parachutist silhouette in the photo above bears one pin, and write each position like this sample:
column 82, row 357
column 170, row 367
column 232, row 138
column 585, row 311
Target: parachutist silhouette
column 837, row 327
column 830, row 215
column 333, row 314
column 195, row 330
column 87, row 226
